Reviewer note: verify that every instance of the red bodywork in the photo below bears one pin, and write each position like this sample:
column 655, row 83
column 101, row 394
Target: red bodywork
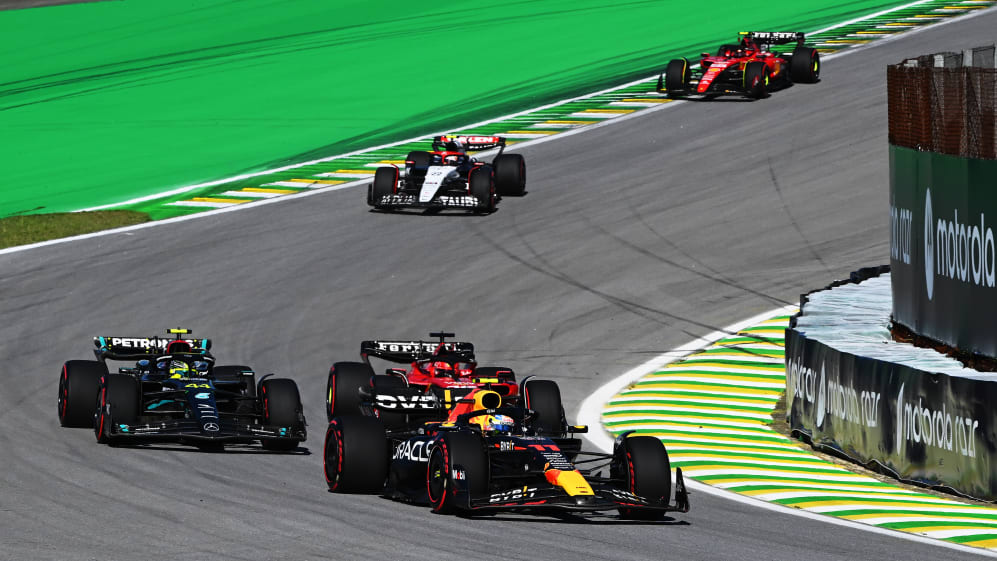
column 454, row 375
column 747, row 50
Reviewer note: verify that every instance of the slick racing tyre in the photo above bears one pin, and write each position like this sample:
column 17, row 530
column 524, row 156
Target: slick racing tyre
column 79, row 384
column 419, row 158
column 510, row 175
column 341, row 395
column 756, row 80
column 281, row 405
column 117, row 402
column 356, row 455
column 385, row 183
column 677, row 76
column 544, row 398
column 456, row 449
column 482, row 187
column 804, row 67
column 642, row 464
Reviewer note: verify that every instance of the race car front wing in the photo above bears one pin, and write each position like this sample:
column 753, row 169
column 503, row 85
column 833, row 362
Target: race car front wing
column 193, row 431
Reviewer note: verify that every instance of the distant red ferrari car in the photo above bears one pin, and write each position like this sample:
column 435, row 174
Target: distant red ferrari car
column 746, row 68
column 440, row 374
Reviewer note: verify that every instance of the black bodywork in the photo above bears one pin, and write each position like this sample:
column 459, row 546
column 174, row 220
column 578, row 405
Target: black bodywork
column 190, row 403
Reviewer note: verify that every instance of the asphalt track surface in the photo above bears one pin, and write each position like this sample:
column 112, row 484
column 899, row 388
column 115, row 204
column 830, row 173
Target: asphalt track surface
column 634, row 239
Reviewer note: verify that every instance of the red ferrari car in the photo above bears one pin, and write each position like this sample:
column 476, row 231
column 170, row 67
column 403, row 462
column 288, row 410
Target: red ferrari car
column 746, row 68
column 439, row 375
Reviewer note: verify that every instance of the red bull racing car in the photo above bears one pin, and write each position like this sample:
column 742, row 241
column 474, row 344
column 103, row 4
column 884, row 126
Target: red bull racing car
column 486, row 456
column 173, row 391
column 439, row 374
column 748, row 67
column 448, row 178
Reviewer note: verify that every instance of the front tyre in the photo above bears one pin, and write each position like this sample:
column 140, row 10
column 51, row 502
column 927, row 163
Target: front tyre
column 453, row 450
column 117, row 403
column 756, row 80
column 79, row 385
column 355, row 455
column 642, row 464
column 544, row 398
column 482, row 187
column 677, row 76
column 385, row 183
column 281, row 405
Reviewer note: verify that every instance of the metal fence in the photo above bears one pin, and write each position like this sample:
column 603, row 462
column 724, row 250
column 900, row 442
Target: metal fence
column 945, row 103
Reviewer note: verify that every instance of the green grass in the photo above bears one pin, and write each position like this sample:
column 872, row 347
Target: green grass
column 23, row 230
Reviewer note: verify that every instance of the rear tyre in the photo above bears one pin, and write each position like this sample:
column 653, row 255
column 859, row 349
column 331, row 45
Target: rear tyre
column 677, row 76
column 355, row 455
column 281, row 408
column 804, row 67
column 482, row 187
column 756, row 80
column 544, row 398
column 385, row 183
column 419, row 159
column 117, row 402
column 510, row 175
column 342, row 395
column 79, row 385
column 642, row 463
column 456, row 449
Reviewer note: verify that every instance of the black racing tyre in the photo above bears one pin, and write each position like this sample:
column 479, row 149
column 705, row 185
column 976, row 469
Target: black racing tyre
column 756, row 79
column 341, row 395
column 482, row 187
column 510, row 175
column 544, row 398
column 79, row 384
column 453, row 449
column 419, row 158
column 643, row 465
column 236, row 372
column 356, row 455
column 677, row 75
column 281, row 406
column 804, row 67
column 118, row 401
column 385, row 183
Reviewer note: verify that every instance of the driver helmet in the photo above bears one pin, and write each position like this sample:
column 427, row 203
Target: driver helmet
column 443, row 368
column 495, row 423
column 178, row 369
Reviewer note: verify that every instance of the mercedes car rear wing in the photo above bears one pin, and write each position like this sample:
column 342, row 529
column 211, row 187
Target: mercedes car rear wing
column 136, row 348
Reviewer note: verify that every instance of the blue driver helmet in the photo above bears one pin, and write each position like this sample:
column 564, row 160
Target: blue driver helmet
column 497, row 423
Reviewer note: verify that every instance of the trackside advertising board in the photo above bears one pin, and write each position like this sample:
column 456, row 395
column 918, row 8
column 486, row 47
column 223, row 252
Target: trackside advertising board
column 932, row 428
column 943, row 253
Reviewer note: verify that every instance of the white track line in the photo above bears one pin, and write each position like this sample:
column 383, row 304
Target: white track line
column 571, row 132
column 590, row 413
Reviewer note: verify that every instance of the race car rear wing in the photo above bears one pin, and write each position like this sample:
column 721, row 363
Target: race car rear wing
column 135, row 348
column 773, row 37
column 408, row 351
column 472, row 142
